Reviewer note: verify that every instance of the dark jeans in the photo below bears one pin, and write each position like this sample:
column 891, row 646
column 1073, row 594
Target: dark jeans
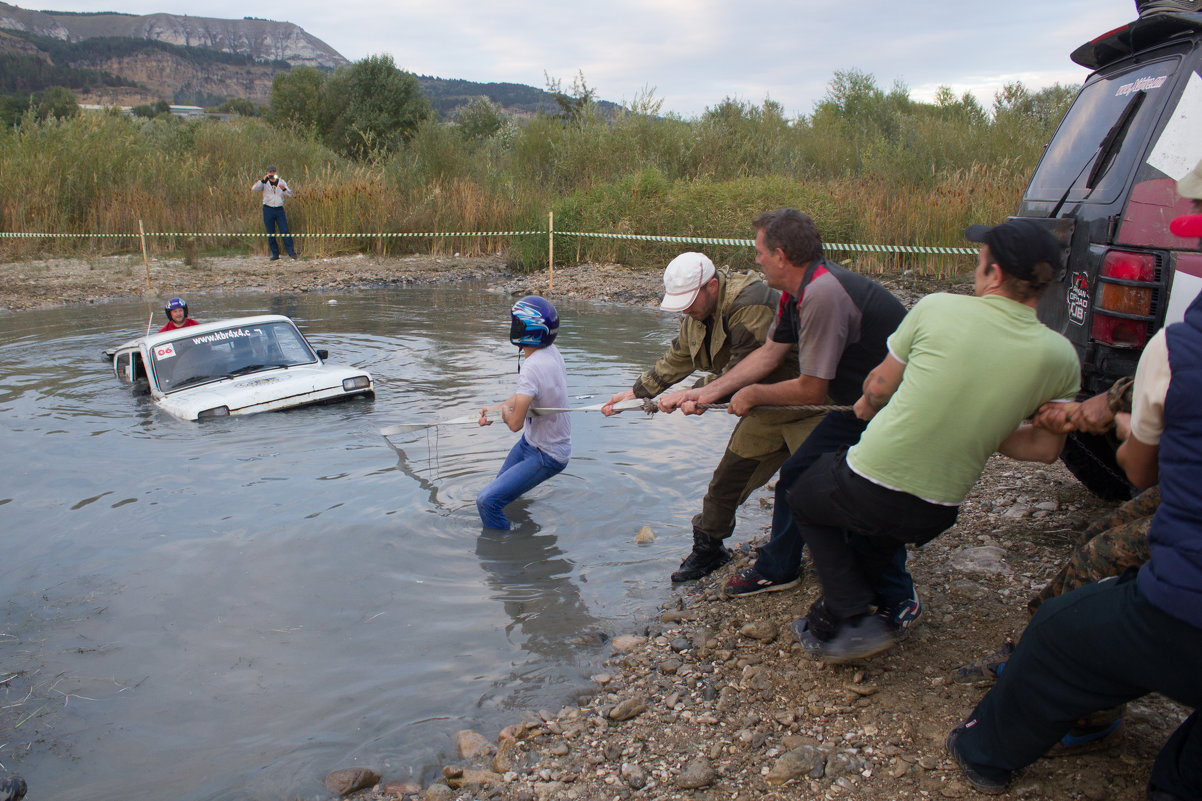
column 1094, row 648
column 780, row 558
column 854, row 528
column 273, row 217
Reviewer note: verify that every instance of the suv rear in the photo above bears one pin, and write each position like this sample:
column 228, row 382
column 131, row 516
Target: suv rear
column 1107, row 186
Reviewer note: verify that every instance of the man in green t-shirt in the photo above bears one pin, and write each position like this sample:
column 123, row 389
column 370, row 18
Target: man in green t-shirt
column 961, row 375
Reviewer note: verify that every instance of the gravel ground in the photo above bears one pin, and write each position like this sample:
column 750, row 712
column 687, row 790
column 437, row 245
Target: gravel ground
column 714, row 699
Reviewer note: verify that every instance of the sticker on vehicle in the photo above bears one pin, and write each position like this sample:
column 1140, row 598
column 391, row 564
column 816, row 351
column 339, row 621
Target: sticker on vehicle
column 164, row 351
column 1078, row 297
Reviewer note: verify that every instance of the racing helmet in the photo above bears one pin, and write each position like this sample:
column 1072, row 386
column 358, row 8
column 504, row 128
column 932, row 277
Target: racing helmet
column 175, row 303
column 534, row 322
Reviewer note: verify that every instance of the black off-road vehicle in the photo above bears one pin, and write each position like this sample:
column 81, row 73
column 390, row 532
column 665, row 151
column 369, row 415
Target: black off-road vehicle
column 1106, row 185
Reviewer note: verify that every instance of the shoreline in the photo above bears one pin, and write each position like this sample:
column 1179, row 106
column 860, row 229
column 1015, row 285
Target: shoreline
column 713, row 698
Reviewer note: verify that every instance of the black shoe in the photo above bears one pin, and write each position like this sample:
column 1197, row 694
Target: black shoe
column 292, row 256
column 12, row 788
column 708, row 555
column 274, row 258
column 977, row 779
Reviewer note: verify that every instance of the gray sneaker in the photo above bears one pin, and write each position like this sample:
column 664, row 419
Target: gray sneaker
column 859, row 638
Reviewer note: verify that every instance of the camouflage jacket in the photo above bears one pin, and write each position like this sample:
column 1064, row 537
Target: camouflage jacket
column 745, row 310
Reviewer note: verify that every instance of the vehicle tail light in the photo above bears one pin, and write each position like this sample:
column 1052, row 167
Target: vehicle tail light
column 1126, row 294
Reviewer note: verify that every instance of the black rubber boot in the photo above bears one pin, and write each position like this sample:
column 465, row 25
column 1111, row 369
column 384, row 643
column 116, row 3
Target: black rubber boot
column 12, row 787
column 708, row 555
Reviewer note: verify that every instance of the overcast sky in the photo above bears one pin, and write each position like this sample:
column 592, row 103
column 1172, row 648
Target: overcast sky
column 694, row 54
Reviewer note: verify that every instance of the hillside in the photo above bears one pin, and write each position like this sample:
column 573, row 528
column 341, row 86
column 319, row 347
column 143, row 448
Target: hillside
column 111, row 58
column 261, row 40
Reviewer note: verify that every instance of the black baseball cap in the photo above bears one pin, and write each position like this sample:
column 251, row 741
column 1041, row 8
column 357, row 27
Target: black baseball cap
column 1018, row 245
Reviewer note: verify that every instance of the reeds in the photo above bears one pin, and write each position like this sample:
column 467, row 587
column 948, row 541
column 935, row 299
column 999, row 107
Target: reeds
column 901, row 173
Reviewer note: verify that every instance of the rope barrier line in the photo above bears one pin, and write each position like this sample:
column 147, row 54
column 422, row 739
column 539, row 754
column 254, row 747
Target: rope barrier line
column 929, row 250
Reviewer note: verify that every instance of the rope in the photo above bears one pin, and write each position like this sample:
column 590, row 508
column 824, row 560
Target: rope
column 650, row 407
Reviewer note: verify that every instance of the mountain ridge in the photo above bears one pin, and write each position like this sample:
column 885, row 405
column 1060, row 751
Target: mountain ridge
column 119, row 59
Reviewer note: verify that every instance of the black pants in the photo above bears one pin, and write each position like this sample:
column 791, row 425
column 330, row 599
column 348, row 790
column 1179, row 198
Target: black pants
column 1094, row 648
column 854, row 528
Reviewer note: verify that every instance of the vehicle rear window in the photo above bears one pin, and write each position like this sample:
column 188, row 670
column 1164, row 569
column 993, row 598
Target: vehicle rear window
column 1075, row 149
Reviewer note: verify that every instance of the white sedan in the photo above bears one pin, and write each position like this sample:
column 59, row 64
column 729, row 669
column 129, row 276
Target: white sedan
column 237, row 366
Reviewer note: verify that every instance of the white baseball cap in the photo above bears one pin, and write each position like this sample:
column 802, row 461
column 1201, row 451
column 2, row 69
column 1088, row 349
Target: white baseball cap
column 683, row 279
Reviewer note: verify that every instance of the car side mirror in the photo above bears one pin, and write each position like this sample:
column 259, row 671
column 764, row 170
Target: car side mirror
column 323, row 354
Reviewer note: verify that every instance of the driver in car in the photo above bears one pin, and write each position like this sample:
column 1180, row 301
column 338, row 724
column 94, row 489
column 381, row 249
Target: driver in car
column 177, row 315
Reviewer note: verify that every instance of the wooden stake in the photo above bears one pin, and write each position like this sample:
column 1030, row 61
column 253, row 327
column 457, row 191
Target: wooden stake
column 146, row 262
column 550, row 250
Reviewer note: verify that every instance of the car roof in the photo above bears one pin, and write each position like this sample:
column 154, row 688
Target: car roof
column 216, row 325
column 1148, row 31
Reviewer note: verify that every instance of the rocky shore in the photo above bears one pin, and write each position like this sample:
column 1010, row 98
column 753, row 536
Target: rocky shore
column 714, row 698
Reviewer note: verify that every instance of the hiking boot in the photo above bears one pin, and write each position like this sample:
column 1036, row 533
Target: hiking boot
column 707, row 556
column 983, row 783
column 900, row 615
column 12, row 787
column 750, row 581
column 987, row 668
column 858, row 638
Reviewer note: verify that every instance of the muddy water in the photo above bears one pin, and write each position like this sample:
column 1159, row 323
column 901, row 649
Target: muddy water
column 231, row 610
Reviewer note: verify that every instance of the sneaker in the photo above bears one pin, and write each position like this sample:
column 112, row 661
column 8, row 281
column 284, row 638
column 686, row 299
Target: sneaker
column 274, row 258
column 749, row 581
column 858, row 638
column 900, row 615
column 707, row 556
column 1096, row 733
column 977, row 779
column 987, row 668
column 811, row 644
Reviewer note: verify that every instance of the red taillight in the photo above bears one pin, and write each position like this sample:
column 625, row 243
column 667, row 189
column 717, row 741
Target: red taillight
column 1123, row 309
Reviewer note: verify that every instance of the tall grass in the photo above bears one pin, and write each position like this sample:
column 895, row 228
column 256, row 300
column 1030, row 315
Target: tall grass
column 869, row 167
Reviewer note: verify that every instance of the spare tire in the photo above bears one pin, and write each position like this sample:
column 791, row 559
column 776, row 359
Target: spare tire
column 1090, row 458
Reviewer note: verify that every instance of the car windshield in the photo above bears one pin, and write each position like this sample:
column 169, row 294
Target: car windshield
column 238, row 350
column 1086, row 160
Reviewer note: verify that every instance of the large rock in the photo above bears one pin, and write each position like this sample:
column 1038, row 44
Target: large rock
column 799, row 762
column 698, row 773
column 470, row 744
column 348, row 780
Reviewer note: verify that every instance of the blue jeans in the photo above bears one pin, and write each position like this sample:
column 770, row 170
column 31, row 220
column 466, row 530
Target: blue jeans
column 273, row 217
column 525, row 468
column 780, row 558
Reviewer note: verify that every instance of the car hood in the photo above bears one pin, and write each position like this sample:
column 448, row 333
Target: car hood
column 277, row 388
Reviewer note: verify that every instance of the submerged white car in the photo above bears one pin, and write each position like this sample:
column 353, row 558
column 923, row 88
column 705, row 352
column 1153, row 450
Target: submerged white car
column 237, row 366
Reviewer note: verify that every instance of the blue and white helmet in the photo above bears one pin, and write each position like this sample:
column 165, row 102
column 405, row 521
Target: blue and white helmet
column 175, row 303
column 534, row 322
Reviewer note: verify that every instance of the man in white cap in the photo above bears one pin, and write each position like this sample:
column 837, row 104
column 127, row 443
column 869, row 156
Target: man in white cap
column 725, row 316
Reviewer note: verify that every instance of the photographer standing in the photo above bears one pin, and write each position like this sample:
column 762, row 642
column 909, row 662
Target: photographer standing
column 274, row 190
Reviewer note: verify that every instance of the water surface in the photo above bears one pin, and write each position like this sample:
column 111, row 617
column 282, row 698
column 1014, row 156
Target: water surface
column 230, row 610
